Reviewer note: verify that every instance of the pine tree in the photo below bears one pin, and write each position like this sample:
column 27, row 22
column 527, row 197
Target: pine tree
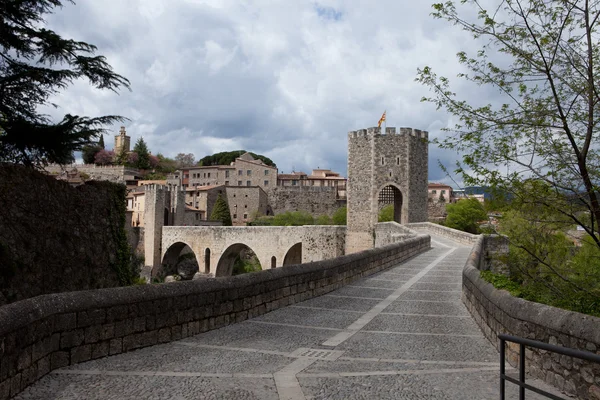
column 101, row 141
column 36, row 64
column 143, row 161
column 221, row 212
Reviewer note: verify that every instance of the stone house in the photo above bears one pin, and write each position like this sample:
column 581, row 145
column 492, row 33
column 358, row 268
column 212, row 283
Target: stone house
column 244, row 171
column 246, row 202
column 318, row 178
column 438, row 191
column 135, row 206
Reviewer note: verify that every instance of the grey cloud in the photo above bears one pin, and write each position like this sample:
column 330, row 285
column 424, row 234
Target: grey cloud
column 272, row 77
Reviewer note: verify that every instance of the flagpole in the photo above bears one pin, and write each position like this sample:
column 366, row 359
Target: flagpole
column 385, row 123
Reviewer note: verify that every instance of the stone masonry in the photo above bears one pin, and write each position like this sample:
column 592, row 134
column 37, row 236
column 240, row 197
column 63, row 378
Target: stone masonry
column 496, row 311
column 48, row 332
column 163, row 206
column 375, row 161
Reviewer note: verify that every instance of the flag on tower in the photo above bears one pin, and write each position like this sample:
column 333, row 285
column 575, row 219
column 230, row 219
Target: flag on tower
column 381, row 120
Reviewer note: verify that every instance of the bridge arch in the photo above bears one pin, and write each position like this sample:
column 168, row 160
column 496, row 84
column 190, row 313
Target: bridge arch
column 228, row 258
column 171, row 258
column 293, row 255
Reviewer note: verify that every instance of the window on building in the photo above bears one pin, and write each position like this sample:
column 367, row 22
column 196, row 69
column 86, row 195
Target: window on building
column 266, row 183
column 246, row 196
column 240, row 172
column 245, row 205
column 249, row 172
column 239, row 183
column 226, row 174
column 226, row 183
column 205, row 174
column 382, row 160
column 234, row 216
column 209, row 174
column 433, row 191
column 245, row 216
column 266, row 172
column 294, row 182
column 397, row 160
column 248, row 183
column 197, row 216
column 234, row 195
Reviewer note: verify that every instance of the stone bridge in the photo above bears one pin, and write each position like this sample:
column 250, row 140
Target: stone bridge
column 216, row 248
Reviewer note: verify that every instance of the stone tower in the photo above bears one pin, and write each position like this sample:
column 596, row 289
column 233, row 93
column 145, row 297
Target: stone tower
column 122, row 142
column 384, row 168
column 163, row 206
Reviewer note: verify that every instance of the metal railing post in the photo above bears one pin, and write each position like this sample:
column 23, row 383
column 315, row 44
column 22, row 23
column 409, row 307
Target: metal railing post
column 502, row 369
column 522, row 342
column 522, row 371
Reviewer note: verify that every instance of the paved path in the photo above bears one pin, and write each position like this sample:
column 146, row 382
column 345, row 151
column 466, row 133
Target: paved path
column 400, row 334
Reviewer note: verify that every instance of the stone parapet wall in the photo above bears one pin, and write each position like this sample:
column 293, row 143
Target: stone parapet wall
column 113, row 173
column 496, row 311
column 391, row 232
column 454, row 234
column 47, row 332
column 58, row 238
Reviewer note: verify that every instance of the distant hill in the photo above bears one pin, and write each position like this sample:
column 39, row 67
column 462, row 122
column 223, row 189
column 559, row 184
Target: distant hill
column 227, row 157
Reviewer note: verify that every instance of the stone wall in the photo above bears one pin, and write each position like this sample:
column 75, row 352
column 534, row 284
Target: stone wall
column 112, row 173
column 391, row 232
column 436, row 210
column 56, row 238
column 245, row 202
column 312, row 199
column 454, row 234
column 496, row 311
column 42, row 334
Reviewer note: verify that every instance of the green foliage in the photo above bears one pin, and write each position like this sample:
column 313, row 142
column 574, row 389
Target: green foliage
column 88, row 153
column 323, row 220
column 545, row 122
column 339, row 216
column 221, row 212
column 288, row 218
column 126, row 265
column 464, row 215
column 155, row 176
column 101, row 142
column 166, row 165
column 143, row 154
column 386, row 214
column 37, row 64
column 227, row 157
column 547, row 265
column 245, row 265
column 502, row 282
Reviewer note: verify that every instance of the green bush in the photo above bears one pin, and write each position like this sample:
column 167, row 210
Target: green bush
column 386, row 214
column 339, row 216
column 465, row 214
column 221, row 212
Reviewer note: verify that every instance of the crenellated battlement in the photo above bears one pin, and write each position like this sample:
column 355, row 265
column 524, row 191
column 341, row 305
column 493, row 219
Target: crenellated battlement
column 374, row 131
column 162, row 188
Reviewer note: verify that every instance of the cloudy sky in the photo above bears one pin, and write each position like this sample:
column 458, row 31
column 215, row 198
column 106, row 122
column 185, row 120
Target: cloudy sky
column 283, row 78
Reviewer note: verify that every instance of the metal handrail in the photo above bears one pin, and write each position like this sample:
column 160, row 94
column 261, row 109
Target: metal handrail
column 583, row 355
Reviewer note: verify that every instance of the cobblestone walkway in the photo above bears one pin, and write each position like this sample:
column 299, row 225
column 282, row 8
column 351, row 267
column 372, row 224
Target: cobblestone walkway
column 400, row 334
